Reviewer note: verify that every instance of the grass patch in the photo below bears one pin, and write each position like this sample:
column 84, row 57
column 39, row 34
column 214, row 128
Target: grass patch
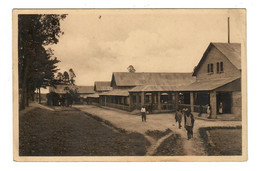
column 72, row 133
column 172, row 146
column 156, row 134
column 222, row 141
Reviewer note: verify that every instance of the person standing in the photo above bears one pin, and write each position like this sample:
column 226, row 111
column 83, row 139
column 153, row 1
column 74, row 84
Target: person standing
column 178, row 117
column 209, row 111
column 220, row 108
column 143, row 112
column 189, row 123
column 200, row 110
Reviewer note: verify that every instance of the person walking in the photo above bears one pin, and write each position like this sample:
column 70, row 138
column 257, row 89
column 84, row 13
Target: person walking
column 189, row 123
column 143, row 112
column 178, row 117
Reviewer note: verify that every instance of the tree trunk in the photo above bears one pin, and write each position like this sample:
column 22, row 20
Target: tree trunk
column 40, row 100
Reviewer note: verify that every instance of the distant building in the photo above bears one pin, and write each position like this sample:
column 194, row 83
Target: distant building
column 81, row 91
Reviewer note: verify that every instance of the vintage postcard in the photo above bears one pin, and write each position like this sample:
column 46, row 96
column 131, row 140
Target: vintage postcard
column 129, row 85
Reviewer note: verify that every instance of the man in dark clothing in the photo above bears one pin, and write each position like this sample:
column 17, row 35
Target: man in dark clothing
column 178, row 117
column 189, row 123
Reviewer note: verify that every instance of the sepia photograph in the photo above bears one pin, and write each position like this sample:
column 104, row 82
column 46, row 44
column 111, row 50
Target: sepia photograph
column 129, row 85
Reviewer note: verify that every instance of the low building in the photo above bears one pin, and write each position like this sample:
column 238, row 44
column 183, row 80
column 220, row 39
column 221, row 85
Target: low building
column 156, row 91
column 63, row 91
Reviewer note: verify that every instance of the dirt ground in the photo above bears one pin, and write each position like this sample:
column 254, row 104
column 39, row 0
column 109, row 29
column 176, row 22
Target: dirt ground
column 70, row 132
column 222, row 141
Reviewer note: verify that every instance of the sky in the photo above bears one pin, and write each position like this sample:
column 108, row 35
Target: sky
column 97, row 43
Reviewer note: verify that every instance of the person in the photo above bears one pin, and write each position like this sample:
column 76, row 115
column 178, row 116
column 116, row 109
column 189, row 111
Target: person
column 200, row 110
column 189, row 123
column 209, row 111
column 220, row 108
column 178, row 117
column 143, row 112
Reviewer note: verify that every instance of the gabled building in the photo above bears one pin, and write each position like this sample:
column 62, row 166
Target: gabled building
column 218, row 80
column 156, row 91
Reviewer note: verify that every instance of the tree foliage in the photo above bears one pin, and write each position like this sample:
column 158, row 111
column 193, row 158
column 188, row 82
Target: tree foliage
column 131, row 69
column 36, row 63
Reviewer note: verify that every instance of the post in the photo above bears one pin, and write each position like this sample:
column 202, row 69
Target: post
column 130, row 101
column 105, row 100
column 159, row 101
column 177, row 100
column 213, row 104
column 192, row 101
column 228, row 31
column 142, row 98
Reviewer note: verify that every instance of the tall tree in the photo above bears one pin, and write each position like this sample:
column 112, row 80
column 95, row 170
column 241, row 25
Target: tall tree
column 131, row 69
column 72, row 76
column 36, row 64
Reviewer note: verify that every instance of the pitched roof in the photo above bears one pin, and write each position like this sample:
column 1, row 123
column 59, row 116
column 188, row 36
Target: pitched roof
column 85, row 89
column 232, row 51
column 207, row 85
column 150, row 88
column 143, row 78
column 102, row 86
column 116, row 92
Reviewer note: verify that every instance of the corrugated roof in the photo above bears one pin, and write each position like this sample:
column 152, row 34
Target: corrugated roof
column 116, row 92
column 232, row 51
column 102, row 86
column 85, row 89
column 206, row 84
column 136, row 79
column 95, row 95
column 150, row 88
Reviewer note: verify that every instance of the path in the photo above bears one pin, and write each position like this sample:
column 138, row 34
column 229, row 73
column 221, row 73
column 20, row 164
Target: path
column 161, row 122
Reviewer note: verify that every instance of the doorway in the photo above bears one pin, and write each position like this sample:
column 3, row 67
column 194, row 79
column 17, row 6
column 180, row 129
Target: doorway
column 224, row 101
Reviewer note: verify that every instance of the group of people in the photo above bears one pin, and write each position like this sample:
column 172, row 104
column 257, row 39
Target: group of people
column 188, row 120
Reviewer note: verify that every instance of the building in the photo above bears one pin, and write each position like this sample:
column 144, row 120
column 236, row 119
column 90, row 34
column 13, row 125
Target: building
column 218, row 81
column 99, row 88
column 156, row 91
column 79, row 91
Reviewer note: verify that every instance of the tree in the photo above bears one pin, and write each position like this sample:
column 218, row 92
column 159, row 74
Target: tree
column 59, row 76
column 131, row 69
column 36, row 64
column 72, row 76
column 66, row 77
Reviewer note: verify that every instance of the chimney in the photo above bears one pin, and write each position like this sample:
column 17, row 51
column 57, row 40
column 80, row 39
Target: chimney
column 228, row 31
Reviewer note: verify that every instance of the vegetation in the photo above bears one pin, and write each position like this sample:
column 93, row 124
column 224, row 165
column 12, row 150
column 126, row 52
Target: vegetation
column 69, row 132
column 36, row 62
column 131, row 69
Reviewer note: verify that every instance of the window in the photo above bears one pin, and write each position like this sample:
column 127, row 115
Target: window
column 210, row 68
column 221, row 67
column 217, row 67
